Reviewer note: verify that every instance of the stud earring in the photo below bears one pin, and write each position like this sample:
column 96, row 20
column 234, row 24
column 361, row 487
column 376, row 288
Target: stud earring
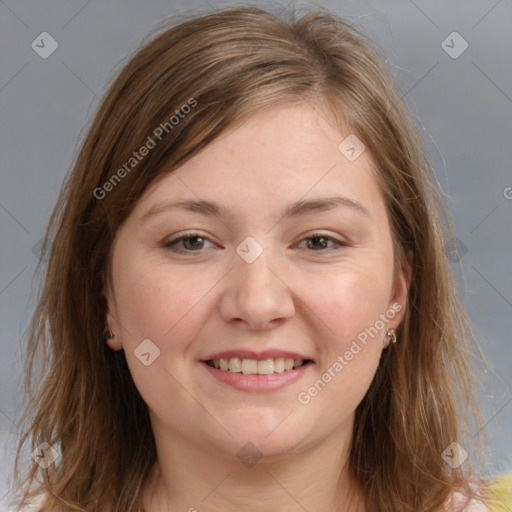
column 110, row 335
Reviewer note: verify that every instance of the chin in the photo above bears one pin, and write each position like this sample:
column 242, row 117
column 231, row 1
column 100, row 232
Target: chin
column 268, row 443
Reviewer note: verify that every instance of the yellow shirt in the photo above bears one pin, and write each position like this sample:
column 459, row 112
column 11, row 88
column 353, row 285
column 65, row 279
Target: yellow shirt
column 501, row 494
column 498, row 492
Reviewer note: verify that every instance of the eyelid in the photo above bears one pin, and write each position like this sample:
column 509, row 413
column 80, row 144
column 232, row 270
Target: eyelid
column 319, row 234
column 184, row 234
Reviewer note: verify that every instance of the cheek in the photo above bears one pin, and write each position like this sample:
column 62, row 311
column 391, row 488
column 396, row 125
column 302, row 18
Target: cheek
column 156, row 301
column 159, row 304
column 144, row 295
column 352, row 348
column 354, row 302
column 352, row 309
column 143, row 301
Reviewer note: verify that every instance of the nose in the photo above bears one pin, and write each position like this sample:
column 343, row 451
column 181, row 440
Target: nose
column 256, row 295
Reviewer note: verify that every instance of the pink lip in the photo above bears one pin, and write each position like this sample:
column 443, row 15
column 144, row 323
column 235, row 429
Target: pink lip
column 259, row 356
column 258, row 383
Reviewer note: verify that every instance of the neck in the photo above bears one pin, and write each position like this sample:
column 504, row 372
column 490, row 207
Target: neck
column 187, row 477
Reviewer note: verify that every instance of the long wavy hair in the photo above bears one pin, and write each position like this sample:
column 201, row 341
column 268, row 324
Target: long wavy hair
column 82, row 399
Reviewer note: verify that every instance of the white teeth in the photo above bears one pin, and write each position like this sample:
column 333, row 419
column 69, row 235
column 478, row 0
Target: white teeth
column 254, row 367
column 235, row 364
column 249, row 366
column 279, row 364
column 266, row 367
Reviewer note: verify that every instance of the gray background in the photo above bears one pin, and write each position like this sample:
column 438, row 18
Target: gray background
column 462, row 105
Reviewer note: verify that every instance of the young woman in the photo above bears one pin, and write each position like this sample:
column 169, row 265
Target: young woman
column 247, row 305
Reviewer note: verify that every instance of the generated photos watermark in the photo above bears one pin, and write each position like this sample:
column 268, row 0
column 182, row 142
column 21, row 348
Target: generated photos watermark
column 151, row 142
column 304, row 397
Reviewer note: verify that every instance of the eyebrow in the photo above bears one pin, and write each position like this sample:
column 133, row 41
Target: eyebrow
column 297, row 209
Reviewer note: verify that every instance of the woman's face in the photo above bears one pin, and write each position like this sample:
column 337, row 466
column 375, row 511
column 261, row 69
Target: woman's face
column 274, row 268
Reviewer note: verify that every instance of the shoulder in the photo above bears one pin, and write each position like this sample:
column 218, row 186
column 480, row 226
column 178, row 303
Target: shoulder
column 461, row 503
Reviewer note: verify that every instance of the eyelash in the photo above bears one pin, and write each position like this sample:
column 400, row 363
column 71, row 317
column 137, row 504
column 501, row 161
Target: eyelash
column 172, row 244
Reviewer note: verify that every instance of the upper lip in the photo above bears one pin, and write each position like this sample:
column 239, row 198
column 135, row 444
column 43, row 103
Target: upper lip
column 259, row 356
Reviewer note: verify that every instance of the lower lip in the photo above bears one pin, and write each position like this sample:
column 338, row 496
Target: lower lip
column 258, row 383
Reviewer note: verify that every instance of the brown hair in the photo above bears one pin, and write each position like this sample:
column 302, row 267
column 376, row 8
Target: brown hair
column 86, row 403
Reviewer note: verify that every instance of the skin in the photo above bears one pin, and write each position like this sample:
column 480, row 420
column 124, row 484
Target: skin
column 297, row 295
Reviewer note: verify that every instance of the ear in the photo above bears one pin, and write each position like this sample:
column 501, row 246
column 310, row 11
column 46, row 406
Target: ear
column 111, row 322
column 403, row 279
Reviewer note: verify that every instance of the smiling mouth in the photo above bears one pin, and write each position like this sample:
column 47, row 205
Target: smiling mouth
column 257, row 367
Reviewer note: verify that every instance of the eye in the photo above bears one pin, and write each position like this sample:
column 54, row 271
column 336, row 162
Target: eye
column 320, row 242
column 190, row 242
column 195, row 242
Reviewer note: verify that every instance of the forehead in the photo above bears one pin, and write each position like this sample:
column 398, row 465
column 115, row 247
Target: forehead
column 279, row 155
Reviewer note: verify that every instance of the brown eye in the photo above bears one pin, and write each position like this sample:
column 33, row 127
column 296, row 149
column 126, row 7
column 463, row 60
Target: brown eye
column 317, row 242
column 322, row 243
column 193, row 242
column 187, row 243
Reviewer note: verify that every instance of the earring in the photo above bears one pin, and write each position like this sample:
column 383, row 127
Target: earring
column 392, row 334
column 110, row 335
